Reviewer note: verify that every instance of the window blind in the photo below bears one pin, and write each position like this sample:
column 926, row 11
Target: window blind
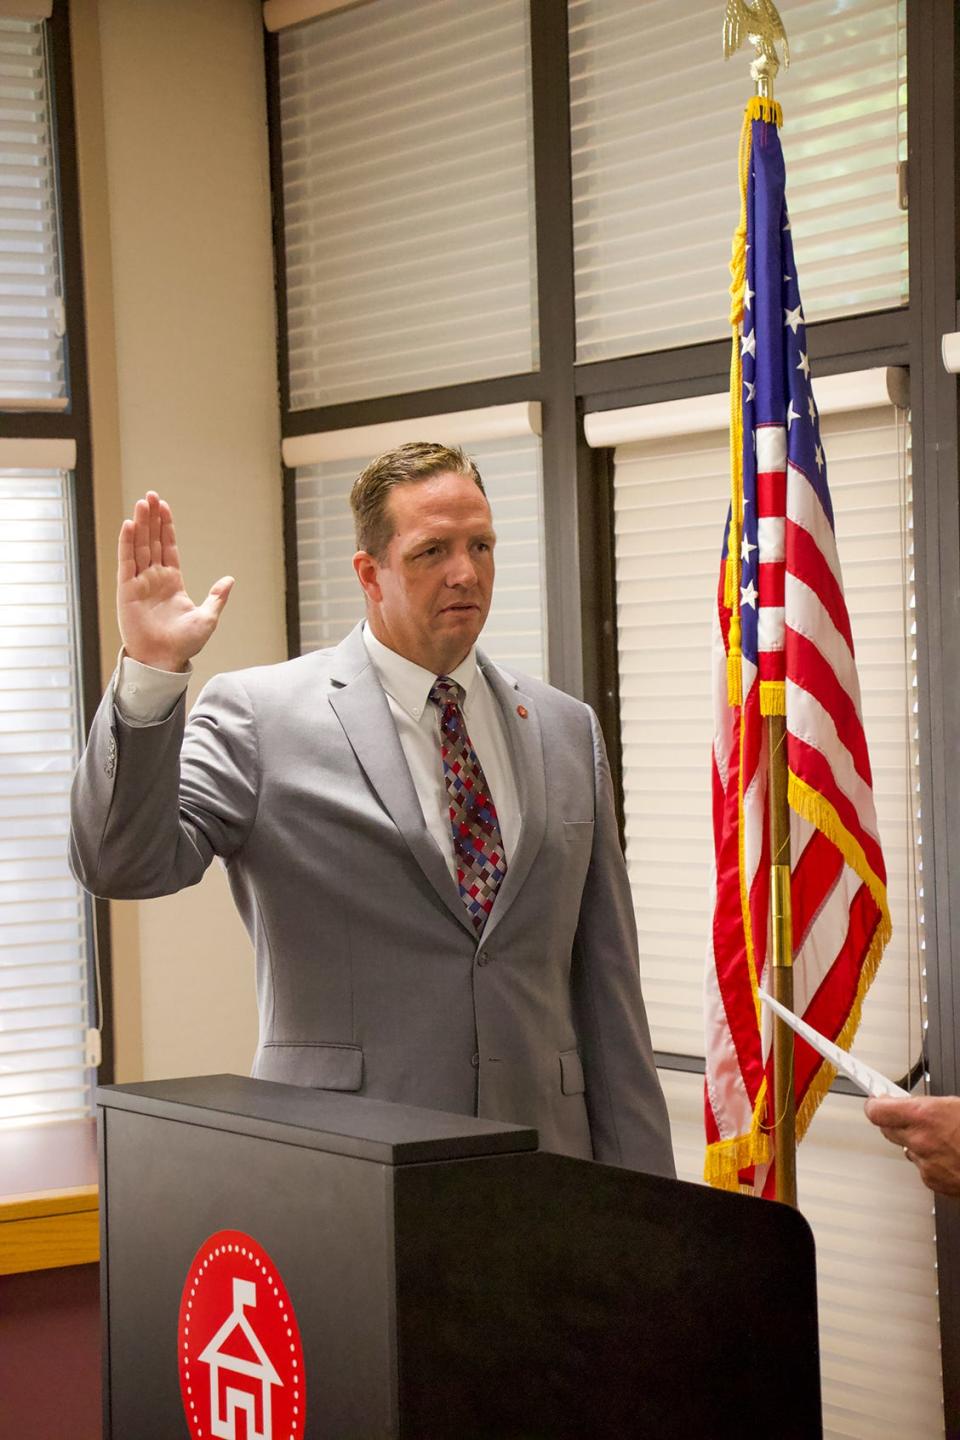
column 670, row 499
column 331, row 601
column 32, row 368
column 872, row 1220
column 407, row 187
column 655, row 116
column 45, row 955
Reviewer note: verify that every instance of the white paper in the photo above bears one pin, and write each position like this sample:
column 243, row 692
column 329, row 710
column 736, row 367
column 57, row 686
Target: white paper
column 868, row 1079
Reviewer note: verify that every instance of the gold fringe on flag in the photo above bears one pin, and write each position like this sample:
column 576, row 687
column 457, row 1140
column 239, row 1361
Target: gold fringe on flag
column 726, row 1158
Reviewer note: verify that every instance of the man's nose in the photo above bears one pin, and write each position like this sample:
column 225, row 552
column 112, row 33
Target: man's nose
column 462, row 571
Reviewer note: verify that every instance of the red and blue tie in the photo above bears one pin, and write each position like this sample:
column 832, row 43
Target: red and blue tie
column 477, row 846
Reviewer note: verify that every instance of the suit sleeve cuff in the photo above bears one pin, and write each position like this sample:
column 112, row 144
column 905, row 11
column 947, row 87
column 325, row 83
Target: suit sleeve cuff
column 145, row 696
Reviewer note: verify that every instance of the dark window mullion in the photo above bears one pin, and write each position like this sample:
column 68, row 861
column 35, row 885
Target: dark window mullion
column 274, row 141
column 75, row 424
column 835, row 347
column 40, row 424
column 441, row 400
column 571, row 523
column 933, row 47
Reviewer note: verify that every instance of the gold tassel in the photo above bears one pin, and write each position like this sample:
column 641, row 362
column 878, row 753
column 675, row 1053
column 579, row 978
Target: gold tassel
column 773, row 697
column 734, row 667
column 738, row 272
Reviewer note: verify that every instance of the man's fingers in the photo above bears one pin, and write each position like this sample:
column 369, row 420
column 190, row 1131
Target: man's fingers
column 887, row 1110
column 126, row 560
column 153, row 501
column 169, row 554
column 897, row 1135
column 141, row 535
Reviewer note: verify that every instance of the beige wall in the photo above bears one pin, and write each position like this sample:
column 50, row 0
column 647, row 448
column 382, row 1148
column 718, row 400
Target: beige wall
column 176, row 212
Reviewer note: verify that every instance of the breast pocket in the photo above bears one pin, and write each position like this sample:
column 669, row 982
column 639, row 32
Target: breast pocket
column 316, row 1066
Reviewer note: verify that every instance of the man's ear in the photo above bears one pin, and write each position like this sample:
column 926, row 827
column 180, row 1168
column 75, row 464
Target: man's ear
column 368, row 573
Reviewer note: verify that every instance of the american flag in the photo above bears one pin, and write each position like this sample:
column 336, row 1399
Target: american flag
column 796, row 659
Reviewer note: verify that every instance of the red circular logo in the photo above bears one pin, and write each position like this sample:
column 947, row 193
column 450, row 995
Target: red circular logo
column 238, row 1345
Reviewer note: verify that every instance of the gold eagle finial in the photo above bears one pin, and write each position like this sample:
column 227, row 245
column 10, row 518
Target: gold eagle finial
column 760, row 25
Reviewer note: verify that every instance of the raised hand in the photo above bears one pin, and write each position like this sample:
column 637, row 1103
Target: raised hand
column 159, row 623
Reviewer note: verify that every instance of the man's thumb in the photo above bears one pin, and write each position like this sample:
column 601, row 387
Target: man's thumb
column 218, row 597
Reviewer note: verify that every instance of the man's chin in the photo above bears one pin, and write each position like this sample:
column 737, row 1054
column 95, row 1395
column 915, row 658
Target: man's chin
column 456, row 633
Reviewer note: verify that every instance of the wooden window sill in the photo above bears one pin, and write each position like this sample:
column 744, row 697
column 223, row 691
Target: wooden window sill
column 48, row 1197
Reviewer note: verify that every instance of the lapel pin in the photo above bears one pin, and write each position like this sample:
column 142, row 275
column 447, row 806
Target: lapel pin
column 522, row 711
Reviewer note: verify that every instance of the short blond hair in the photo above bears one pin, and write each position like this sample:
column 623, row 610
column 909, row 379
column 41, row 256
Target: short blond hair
column 417, row 460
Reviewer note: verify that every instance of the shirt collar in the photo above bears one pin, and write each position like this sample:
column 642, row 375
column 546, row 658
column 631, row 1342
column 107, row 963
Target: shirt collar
column 410, row 684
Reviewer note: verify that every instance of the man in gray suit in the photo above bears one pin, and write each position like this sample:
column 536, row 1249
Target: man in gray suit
column 423, row 847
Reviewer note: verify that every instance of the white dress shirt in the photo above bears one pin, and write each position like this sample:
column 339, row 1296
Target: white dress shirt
column 407, row 687
column 145, row 696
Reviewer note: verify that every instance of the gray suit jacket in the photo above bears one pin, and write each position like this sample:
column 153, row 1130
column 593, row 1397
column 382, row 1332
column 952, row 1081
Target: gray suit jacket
column 369, row 974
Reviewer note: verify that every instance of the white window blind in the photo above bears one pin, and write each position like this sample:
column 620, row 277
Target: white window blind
column 655, row 117
column 872, row 1220
column 45, row 999
column 408, row 182
column 32, row 370
column 670, row 499
column 331, row 601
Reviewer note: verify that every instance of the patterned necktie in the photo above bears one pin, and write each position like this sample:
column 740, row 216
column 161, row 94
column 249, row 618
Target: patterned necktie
column 477, row 846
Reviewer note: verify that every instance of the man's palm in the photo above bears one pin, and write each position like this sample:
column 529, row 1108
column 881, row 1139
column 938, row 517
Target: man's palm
column 159, row 623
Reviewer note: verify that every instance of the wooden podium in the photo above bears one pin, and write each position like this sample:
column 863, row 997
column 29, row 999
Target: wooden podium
column 448, row 1278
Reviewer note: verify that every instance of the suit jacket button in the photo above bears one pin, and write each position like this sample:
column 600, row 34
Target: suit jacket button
column 483, row 958
column 475, row 1061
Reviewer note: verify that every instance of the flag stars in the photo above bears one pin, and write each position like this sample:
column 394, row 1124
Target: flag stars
column 818, row 456
column 748, row 595
column 804, row 365
column 748, row 344
column 792, row 415
column 811, row 408
column 751, row 391
column 745, row 548
column 748, row 294
column 794, row 318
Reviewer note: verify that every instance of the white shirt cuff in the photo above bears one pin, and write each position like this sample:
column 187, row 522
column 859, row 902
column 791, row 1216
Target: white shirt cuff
column 145, row 696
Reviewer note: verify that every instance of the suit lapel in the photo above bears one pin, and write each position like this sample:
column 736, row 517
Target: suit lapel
column 362, row 709
column 525, row 739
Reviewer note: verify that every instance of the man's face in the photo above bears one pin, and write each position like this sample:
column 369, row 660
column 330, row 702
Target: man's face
column 429, row 593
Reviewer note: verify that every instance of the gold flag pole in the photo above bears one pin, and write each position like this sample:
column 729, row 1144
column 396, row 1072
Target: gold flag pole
column 760, row 24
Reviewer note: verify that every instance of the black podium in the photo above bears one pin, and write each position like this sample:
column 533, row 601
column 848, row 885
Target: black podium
column 448, row 1278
